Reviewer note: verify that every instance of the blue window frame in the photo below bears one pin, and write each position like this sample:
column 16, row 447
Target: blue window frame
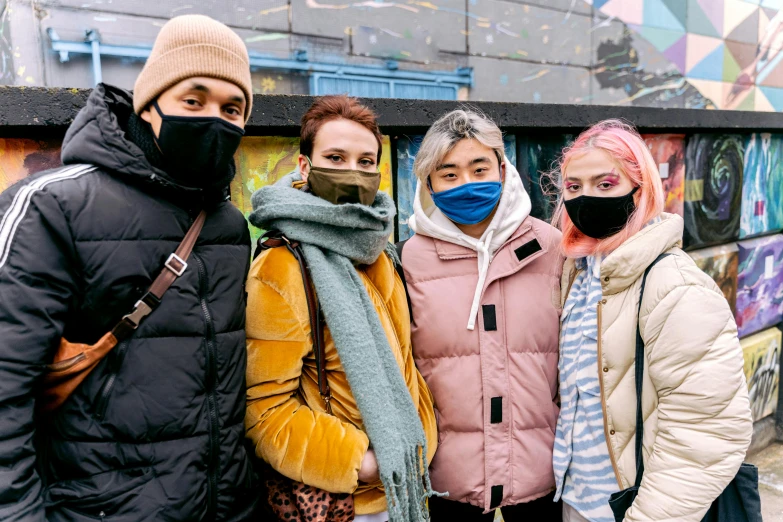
column 364, row 87
column 367, row 81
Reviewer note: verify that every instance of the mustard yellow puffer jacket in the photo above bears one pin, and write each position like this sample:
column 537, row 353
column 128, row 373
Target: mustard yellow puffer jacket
column 697, row 421
column 286, row 418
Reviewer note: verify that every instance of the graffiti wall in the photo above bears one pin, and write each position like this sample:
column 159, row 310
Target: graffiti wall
column 668, row 151
column 759, row 284
column 762, row 371
column 655, row 53
column 538, row 167
column 728, row 50
column 713, row 189
column 721, row 263
column 762, row 185
column 20, row 158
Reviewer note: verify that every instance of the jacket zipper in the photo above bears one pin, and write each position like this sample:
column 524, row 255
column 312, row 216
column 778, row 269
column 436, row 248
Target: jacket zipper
column 214, row 426
column 603, row 397
column 118, row 356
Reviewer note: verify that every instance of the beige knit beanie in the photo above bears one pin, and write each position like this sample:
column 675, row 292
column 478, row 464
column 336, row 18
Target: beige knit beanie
column 189, row 46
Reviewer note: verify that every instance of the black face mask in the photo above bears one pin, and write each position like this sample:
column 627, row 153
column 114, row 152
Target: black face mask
column 600, row 218
column 198, row 151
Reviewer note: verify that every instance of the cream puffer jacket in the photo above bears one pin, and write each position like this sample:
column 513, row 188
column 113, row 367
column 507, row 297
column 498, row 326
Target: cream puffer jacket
column 697, row 420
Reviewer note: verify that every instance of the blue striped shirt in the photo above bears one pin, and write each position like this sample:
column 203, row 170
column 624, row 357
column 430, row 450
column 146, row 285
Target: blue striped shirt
column 583, row 469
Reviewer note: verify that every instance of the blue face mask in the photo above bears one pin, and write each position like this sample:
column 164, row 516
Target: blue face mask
column 470, row 203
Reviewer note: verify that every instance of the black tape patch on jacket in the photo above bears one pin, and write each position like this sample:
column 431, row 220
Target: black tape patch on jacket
column 528, row 249
column 497, row 497
column 496, row 410
column 490, row 320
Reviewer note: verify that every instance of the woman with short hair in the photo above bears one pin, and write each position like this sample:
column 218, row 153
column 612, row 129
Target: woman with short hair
column 373, row 434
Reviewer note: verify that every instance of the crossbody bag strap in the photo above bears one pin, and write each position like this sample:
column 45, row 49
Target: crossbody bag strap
column 276, row 239
column 639, row 378
column 401, row 272
column 174, row 267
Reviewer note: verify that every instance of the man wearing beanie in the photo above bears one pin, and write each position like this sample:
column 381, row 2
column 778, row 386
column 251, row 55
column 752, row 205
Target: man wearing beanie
column 155, row 431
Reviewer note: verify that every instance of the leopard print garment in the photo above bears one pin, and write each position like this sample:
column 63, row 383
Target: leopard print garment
column 296, row 502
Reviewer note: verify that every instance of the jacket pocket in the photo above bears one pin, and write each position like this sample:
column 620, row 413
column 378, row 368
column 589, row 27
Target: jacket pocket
column 111, row 495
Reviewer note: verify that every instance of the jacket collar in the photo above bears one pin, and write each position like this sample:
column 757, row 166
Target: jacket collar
column 447, row 250
column 623, row 267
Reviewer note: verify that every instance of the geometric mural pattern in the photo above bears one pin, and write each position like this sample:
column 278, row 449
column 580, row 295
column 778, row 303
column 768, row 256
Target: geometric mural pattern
column 731, row 51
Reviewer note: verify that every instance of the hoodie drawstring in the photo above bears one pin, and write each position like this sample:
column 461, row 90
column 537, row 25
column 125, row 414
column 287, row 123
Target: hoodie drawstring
column 482, row 249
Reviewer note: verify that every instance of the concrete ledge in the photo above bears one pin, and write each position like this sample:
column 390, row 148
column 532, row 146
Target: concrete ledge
column 764, row 434
column 31, row 110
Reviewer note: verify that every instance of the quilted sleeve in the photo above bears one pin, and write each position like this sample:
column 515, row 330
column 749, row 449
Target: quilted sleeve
column 704, row 420
column 305, row 445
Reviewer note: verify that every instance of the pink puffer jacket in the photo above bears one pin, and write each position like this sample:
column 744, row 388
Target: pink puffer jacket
column 494, row 386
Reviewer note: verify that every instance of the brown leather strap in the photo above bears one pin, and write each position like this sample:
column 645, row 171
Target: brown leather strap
column 175, row 266
column 276, row 239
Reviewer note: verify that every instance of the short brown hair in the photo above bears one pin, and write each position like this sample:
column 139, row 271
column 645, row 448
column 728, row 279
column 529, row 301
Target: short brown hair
column 333, row 107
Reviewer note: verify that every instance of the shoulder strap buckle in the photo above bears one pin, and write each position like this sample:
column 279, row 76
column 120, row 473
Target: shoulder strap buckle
column 140, row 311
column 176, row 264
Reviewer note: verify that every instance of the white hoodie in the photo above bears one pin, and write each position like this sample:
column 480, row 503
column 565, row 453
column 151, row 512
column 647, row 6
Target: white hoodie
column 513, row 208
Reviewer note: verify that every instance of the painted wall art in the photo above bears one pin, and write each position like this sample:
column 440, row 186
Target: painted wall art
column 713, row 189
column 20, row 158
column 261, row 161
column 721, row 263
column 407, row 148
column 759, row 284
column 762, row 185
column 538, row 169
column 728, row 50
column 762, row 371
column 668, row 151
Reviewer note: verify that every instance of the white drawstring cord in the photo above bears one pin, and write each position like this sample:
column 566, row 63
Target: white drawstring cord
column 482, row 249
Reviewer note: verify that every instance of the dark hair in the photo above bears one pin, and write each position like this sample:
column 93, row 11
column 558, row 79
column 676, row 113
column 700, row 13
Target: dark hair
column 333, row 107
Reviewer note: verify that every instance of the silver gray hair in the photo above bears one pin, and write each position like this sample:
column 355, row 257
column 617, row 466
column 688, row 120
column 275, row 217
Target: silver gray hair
column 458, row 125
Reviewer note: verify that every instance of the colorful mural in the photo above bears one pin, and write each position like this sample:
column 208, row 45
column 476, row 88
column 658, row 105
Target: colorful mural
column 762, row 371
column 759, row 284
column 20, row 158
column 762, row 185
column 631, row 70
column 721, row 263
column 713, row 189
column 262, row 160
column 668, row 151
column 731, row 51
column 407, row 148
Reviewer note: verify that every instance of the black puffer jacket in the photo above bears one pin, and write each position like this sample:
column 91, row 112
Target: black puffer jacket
column 156, row 430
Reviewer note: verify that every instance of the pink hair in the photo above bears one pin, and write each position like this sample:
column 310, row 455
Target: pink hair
column 632, row 157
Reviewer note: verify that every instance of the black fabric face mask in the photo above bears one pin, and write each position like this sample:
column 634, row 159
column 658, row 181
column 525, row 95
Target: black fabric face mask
column 600, row 218
column 198, row 151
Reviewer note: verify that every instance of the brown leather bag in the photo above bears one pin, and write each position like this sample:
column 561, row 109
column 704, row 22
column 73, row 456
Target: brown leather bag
column 73, row 362
column 287, row 499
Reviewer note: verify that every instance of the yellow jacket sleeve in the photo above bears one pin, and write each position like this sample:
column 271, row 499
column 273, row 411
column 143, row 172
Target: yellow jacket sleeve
column 302, row 444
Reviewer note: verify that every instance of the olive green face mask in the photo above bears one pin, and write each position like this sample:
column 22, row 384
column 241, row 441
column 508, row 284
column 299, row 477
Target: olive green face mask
column 340, row 186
